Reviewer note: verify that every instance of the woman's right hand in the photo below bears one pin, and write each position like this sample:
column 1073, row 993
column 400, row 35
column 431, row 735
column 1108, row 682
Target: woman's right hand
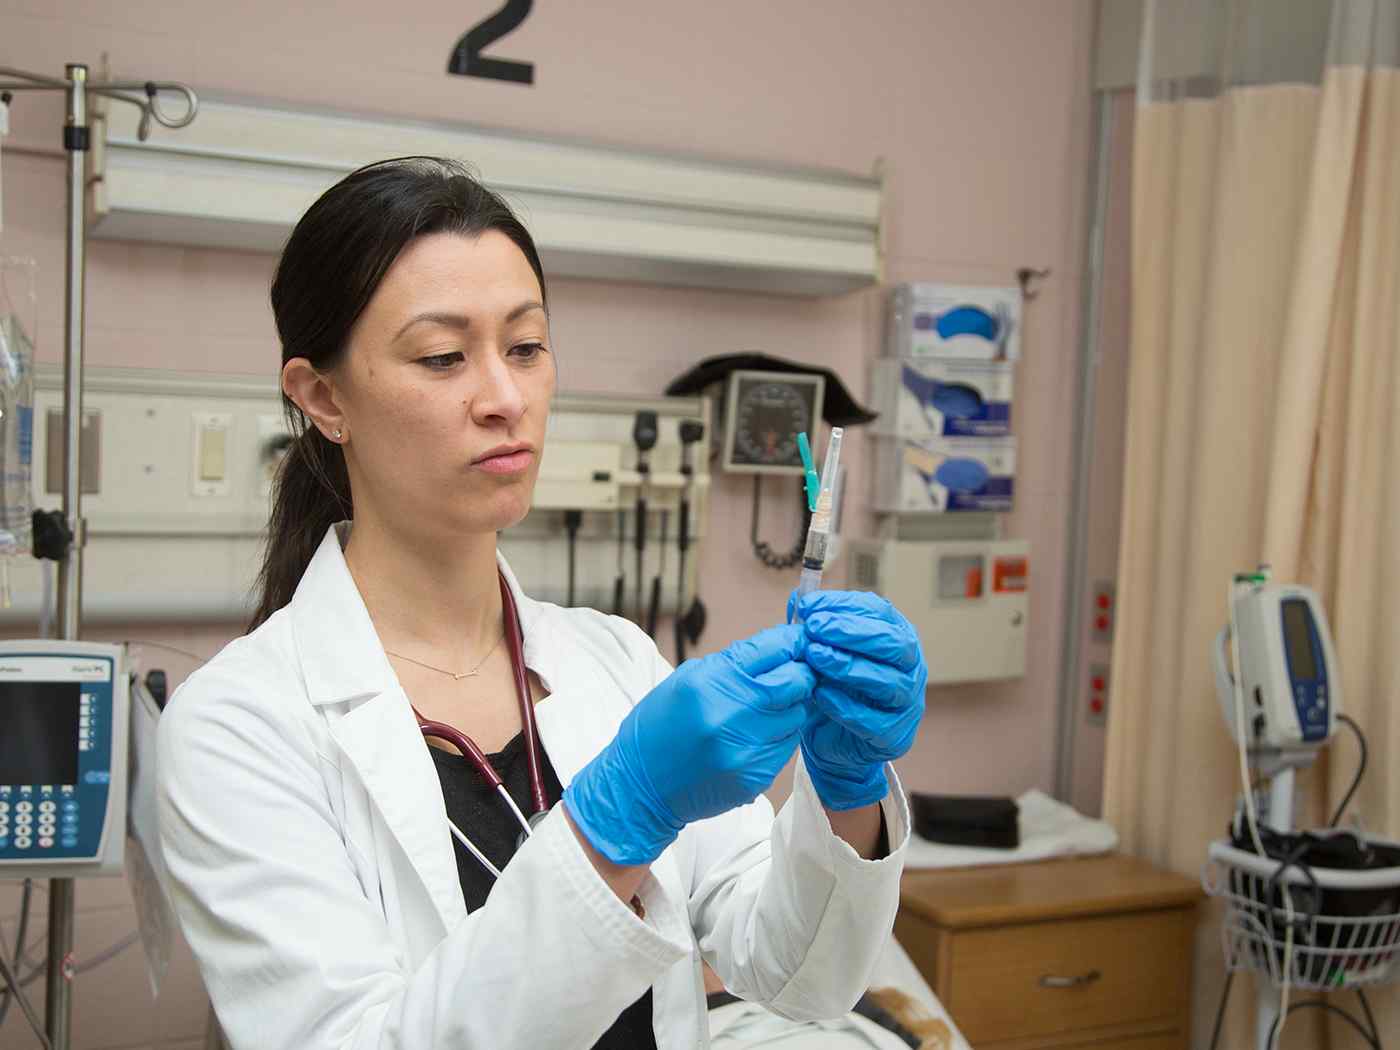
column 709, row 738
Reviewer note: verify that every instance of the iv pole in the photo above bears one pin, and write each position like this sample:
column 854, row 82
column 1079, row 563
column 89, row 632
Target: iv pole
column 76, row 132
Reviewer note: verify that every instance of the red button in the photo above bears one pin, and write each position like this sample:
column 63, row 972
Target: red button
column 1096, row 705
column 1103, row 601
column 1101, row 623
column 1098, row 685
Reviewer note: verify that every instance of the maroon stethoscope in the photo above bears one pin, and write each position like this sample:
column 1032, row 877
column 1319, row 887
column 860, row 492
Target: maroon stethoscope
column 515, row 645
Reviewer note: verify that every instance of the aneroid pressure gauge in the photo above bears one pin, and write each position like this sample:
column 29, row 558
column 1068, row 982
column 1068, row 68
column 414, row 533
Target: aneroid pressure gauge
column 765, row 411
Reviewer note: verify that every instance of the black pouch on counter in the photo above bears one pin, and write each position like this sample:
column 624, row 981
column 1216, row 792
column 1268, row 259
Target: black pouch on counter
column 967, row 820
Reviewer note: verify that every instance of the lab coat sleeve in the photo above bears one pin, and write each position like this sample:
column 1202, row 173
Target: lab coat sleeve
column 785, row 911
column 297, row 956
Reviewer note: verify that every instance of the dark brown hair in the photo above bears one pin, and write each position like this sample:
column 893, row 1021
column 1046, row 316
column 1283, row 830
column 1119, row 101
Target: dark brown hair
column 329, row 270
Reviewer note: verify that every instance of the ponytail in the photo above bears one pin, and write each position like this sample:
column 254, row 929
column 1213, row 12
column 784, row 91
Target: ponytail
column 310, row 494
column 330, row 267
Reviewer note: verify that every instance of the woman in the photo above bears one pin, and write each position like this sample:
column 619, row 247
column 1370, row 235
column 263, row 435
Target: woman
column 308, row 829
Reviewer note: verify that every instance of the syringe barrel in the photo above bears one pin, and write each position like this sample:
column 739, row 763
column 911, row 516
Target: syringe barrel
column 819, row 532
column 809, row 581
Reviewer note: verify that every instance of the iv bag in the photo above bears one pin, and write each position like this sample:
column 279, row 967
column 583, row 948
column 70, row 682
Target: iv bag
column 16, row 404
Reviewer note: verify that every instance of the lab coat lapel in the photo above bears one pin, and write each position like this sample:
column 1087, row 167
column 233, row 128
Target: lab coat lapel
column 380, row 739
column 349, row 679
column 574, row 727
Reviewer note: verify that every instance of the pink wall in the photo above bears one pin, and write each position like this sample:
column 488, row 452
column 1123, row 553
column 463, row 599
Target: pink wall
column 978, row 109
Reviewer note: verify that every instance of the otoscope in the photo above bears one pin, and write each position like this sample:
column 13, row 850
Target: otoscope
column 692, row 430
column 620, row 581
column 644, row 437
column 654, row 607
column 572, row 520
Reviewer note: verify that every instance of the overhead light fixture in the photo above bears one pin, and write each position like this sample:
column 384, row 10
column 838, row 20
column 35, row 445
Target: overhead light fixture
column 241, row 176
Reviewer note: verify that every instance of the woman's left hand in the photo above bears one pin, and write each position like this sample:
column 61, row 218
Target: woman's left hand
column 869, row 697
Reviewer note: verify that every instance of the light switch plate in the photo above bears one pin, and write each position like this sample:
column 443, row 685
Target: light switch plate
column 210, row 427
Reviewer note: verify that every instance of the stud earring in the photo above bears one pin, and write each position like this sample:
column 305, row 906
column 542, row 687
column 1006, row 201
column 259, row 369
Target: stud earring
column 337, row 435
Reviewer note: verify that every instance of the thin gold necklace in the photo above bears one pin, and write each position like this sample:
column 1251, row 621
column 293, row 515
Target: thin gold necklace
column 456, row 676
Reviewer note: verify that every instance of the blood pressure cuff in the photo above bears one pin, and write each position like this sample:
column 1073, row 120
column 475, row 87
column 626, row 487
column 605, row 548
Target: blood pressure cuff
column 967, row 820
column 839, row 408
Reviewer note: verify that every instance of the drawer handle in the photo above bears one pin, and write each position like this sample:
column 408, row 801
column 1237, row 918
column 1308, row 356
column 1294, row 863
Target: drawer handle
column 1050, row 981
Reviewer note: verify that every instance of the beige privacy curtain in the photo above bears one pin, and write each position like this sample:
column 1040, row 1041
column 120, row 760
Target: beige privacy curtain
column 1264, row 412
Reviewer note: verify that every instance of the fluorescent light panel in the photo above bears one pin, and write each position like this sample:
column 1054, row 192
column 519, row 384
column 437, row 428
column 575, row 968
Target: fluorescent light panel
column 241, row 175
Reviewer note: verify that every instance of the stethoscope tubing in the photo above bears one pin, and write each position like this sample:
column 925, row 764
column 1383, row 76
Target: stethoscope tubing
column 471, row 848
column 466, row 745
column 515, row 639
column 515, row 643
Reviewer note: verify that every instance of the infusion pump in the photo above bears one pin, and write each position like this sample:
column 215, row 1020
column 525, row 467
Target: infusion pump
column 64, row 721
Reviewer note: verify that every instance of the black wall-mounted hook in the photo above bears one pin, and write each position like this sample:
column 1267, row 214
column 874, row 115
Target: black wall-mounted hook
column 1025, row 275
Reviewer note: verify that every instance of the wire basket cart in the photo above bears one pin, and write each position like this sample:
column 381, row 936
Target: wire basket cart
column 1346, row 924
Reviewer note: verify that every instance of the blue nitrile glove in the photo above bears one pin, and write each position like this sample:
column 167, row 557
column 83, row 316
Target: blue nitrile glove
column 707, row 739
column 869, row 697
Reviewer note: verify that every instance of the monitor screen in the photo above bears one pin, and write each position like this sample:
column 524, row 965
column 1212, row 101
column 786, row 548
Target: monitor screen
column 39, row 732
column 1297, row 635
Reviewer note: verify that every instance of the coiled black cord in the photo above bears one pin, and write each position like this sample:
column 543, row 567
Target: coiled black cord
column 765, row 553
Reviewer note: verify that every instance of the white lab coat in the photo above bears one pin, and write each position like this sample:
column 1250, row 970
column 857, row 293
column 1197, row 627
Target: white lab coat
column 310, row 861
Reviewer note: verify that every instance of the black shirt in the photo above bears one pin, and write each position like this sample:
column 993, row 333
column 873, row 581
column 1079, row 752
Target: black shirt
column 482, row 815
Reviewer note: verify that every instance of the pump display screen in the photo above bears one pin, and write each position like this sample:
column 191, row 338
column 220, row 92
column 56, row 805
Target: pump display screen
column 39, row 732
column 1297, row 635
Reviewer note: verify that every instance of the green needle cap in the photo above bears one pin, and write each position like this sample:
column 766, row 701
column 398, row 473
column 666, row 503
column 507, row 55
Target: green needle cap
column 814, row 483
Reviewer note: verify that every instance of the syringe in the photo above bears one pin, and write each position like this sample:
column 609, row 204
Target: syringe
column 819, row 532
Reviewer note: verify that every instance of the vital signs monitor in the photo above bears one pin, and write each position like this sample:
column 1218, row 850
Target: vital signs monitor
column 1288, row 672
column 64, row 711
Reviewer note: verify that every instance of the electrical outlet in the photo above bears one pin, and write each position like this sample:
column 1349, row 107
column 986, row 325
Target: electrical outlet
column 1096, row 713
column 1103, row 610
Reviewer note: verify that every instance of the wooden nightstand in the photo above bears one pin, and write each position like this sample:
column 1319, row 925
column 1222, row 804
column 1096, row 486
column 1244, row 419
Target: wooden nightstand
column 1093, row 952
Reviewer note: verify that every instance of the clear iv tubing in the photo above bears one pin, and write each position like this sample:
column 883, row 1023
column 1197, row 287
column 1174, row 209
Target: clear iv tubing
column 819, row 532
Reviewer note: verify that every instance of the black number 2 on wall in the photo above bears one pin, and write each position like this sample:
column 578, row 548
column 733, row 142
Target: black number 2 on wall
column 466, row 60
